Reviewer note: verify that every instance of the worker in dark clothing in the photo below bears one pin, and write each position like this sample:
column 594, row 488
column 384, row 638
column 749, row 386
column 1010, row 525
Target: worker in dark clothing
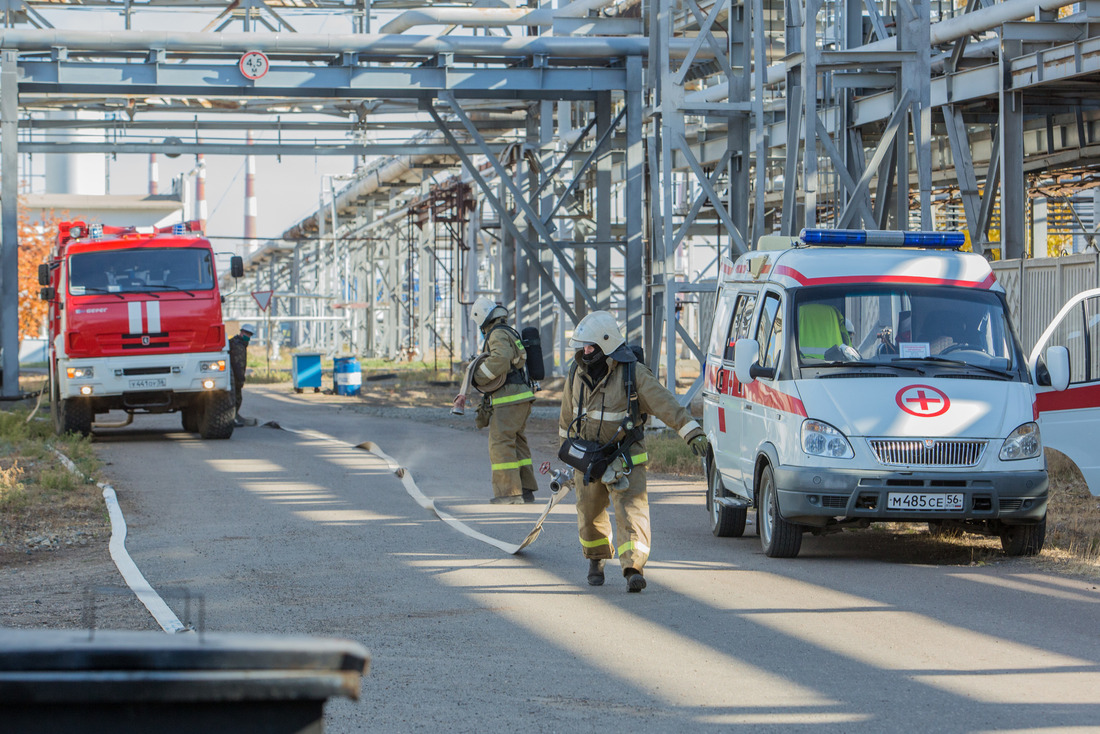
column 238, row 361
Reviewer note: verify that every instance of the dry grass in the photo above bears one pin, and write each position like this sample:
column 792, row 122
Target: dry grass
column 44, row 506
column 670, row 454
column 1073, row 519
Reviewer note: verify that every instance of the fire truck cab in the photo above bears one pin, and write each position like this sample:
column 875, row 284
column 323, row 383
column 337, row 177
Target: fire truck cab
column 135, row 324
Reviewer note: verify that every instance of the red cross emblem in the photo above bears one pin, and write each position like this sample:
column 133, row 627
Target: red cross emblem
column 923, row 401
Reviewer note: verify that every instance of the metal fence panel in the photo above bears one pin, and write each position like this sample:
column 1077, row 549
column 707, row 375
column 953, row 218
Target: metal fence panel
column 1037, row 288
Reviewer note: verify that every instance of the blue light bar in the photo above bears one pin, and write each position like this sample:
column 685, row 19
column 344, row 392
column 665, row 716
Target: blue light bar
column 882, row 238
column 179, row 228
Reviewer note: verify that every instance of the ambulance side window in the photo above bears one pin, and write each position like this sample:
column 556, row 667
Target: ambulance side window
column 769, row 335
column 741, row 323
column 720, row 327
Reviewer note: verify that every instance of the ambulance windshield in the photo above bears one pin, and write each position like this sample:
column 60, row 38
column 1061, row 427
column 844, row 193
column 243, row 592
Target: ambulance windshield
column 141, row 270
column 876, row 325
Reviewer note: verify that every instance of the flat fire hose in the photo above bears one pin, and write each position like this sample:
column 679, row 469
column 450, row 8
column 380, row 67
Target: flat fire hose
column 428, row 504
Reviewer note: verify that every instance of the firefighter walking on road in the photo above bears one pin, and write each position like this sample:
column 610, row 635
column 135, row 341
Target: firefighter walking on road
column 238, row 363
column 607, row 398
column 500, row 374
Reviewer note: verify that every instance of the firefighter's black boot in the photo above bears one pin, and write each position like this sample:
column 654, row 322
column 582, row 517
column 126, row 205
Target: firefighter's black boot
column 595, row 572
column 634, row 580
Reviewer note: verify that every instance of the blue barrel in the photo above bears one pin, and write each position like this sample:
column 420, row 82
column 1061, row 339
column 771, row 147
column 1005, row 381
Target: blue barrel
column 347, row 376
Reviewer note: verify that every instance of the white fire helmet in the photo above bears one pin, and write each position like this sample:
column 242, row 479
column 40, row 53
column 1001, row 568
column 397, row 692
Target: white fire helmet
column 485, row 310
column 598, row 328
column 249, row 328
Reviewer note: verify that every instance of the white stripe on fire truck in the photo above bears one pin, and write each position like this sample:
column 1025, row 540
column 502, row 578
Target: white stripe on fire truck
column 152, row 311
column 134, row 310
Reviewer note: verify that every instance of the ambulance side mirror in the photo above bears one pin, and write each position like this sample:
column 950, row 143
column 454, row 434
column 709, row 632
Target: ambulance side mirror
column 236, row 266
column 745, row 354
column 1057, row 360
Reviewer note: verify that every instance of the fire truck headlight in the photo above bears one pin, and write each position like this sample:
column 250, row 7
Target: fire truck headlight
column 77, row 373
column 217, row 365
column 86, row 390
column 208, row 384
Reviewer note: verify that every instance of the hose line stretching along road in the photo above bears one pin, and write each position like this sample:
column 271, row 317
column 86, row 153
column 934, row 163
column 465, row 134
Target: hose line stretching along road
column 427, row 503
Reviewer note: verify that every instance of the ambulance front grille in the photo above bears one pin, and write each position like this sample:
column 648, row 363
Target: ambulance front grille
column 933, row 452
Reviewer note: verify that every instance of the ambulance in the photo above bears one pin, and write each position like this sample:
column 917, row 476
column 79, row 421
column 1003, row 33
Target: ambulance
column 858, row 376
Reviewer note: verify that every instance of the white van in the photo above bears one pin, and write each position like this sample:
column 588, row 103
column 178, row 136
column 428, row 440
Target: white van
column 862, row 376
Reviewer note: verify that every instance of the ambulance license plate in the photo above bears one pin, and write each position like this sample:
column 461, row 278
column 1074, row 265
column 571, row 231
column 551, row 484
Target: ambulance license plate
column 922, row 501
column 151, row 383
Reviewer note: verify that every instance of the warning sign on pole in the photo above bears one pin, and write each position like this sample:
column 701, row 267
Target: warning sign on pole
column 263, row 298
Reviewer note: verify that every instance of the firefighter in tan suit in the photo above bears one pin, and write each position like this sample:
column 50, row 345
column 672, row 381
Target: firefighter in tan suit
column 502, row 377
column 596, row 407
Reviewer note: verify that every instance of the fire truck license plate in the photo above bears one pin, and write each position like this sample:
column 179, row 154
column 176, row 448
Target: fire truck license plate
column 148, row 384
column 921, row 501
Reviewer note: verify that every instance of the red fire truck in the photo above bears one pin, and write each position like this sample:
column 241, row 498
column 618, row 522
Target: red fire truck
column 136, row 326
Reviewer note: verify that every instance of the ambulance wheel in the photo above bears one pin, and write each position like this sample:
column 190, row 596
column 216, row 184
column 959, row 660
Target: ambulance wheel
column 725, row 522
column 217, row 416
column 779, row 538
column 190, row 416
column 1024, row 540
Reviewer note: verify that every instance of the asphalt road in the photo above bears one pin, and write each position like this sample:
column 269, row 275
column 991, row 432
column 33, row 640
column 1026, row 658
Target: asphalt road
column 286, row 534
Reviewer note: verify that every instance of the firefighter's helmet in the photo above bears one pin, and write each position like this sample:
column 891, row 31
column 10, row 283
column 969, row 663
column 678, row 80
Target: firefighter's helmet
column 249, row 328
column 600, row 329
column 485, row 310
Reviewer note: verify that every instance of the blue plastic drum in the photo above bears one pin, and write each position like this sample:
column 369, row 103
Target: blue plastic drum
column 347, row 376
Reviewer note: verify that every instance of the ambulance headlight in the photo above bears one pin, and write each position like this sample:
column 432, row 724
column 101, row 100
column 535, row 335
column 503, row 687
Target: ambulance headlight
column 1023, row 443
column 821, row 439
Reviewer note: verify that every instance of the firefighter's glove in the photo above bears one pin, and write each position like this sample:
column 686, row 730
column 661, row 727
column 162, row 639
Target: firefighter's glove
column 699, row 445
column 615, row 475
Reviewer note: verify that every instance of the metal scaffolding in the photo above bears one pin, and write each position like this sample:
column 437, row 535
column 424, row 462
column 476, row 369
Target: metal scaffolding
column 594, row 154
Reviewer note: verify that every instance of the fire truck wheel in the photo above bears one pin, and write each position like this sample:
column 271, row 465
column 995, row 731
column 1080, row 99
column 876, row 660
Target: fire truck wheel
column 55, row 405
column 190, row 416
column 725, row 522
column 217, row 417
column 779, row 538
column 75, row 416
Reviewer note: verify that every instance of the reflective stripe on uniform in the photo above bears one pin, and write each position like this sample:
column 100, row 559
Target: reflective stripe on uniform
column 688, row 428
column 609, row 416
column 596, row 543
column 513, row 398
column 510, row 465
column 483, row 369
column 640, row 458
column 633, row 545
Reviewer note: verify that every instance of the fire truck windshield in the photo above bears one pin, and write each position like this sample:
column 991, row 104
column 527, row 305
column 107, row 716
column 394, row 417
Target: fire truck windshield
column 141, row 270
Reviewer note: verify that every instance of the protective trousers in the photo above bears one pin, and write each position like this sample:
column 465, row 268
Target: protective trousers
column 631, row 520
column 508, row 451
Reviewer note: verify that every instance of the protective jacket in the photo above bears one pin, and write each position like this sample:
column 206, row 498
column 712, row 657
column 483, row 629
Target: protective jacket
column 594, row 410
column 505, row 355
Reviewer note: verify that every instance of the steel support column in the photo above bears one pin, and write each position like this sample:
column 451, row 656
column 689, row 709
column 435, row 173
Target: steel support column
column 9, row 224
